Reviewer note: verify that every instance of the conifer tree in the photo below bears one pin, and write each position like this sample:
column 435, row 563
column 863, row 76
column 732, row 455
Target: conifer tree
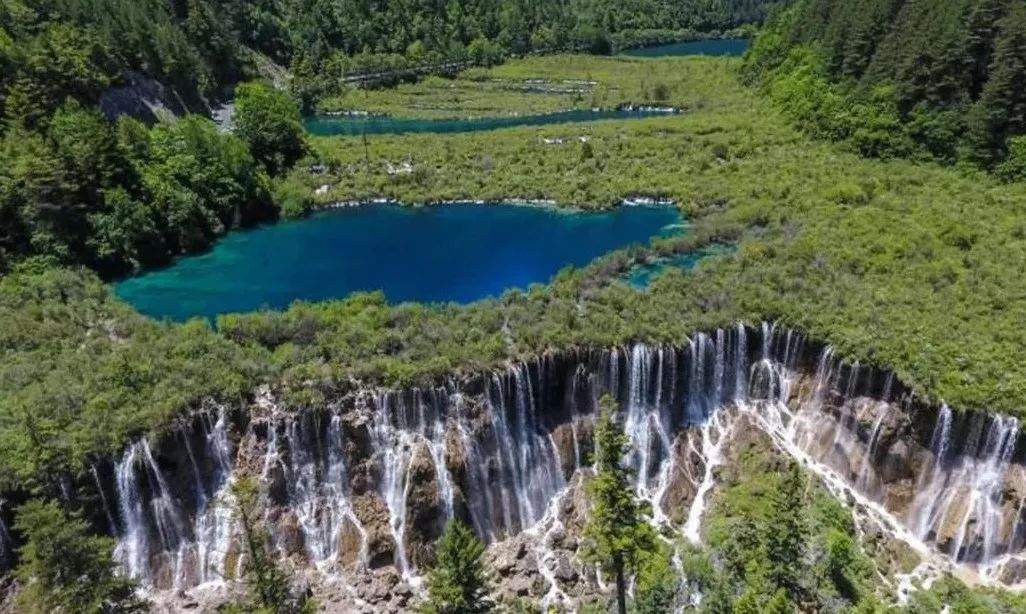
column 270, row 587
column 458, row 581
column 786, row 532
column 617, row 532
column 1001, row 110
column 65, row 568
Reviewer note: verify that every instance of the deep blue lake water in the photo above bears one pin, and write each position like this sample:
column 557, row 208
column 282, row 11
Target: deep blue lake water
column 728, row 46
column 346, row 125
column 459, row 252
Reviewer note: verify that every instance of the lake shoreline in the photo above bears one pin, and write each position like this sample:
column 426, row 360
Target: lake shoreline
column 545, row 203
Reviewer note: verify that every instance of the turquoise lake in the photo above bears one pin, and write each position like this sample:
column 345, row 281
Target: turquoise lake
column 719, row 47
column 346, row 125
column 640, row 277
column 457, row 252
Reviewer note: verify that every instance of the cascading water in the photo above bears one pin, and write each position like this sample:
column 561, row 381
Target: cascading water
column 196, row 545
column 960, row 505
column 501, row 454
column 133, row 548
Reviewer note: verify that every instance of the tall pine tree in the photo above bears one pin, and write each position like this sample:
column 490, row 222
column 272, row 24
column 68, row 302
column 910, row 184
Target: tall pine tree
column 65, row 568
column 1001, row 110
column 786, row 532
column 617, row 532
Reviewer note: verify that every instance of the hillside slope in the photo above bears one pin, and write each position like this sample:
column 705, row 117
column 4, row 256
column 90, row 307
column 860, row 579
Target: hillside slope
column 936, row 78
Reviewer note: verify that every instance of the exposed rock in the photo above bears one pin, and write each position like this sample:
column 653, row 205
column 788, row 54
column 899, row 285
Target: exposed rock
column 350, row 544
column 688, row 467
column 953, row 523
column 289, row 534
column 563, row 570
column 1013, row 571
column 373, row 515
column 895, row 465
column 424, row 517
column 504, row 556
column 563, row 440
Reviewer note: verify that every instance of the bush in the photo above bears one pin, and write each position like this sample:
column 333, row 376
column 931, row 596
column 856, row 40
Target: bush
column 292, row 197
column 1013, row 168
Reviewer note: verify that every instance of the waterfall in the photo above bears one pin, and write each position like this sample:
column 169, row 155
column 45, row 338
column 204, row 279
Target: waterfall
column 967, row 494
column 395, row 446
column 316, row 484
column 928, row 491
column 740, row 364
column 504, row 451
column 867, row 460
column 133, row 547
column 715, row 434
column 527, row 470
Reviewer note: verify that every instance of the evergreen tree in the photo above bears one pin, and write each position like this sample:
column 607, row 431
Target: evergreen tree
column 981, row 29
column 67, row 569
column 458, row 581
column 786, row 532
column 617, row 533
column 270, row 588
column 1001, row 110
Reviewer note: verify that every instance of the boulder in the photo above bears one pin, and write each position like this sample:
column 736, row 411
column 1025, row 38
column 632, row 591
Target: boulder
column 350, row 544
column 425, row 518
column 372, row 513
column 288, row 534
column 505, row 555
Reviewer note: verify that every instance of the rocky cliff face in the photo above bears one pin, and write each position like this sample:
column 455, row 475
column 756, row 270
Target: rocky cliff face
column 358, row 491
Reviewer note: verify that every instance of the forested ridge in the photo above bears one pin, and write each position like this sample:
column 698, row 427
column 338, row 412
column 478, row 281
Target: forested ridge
column 940, row 79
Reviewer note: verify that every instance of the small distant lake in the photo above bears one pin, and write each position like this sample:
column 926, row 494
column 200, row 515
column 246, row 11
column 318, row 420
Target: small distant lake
column 457, row 252
column 350, row 125
column 717, row 47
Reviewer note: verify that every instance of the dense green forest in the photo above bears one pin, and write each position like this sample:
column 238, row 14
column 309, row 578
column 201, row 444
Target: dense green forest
column 76, row 187
column 940, row 79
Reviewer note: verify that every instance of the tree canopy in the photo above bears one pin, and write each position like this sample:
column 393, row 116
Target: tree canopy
column 66, row 568
column 617, row 534
column 457, row 582
column 929, row 78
